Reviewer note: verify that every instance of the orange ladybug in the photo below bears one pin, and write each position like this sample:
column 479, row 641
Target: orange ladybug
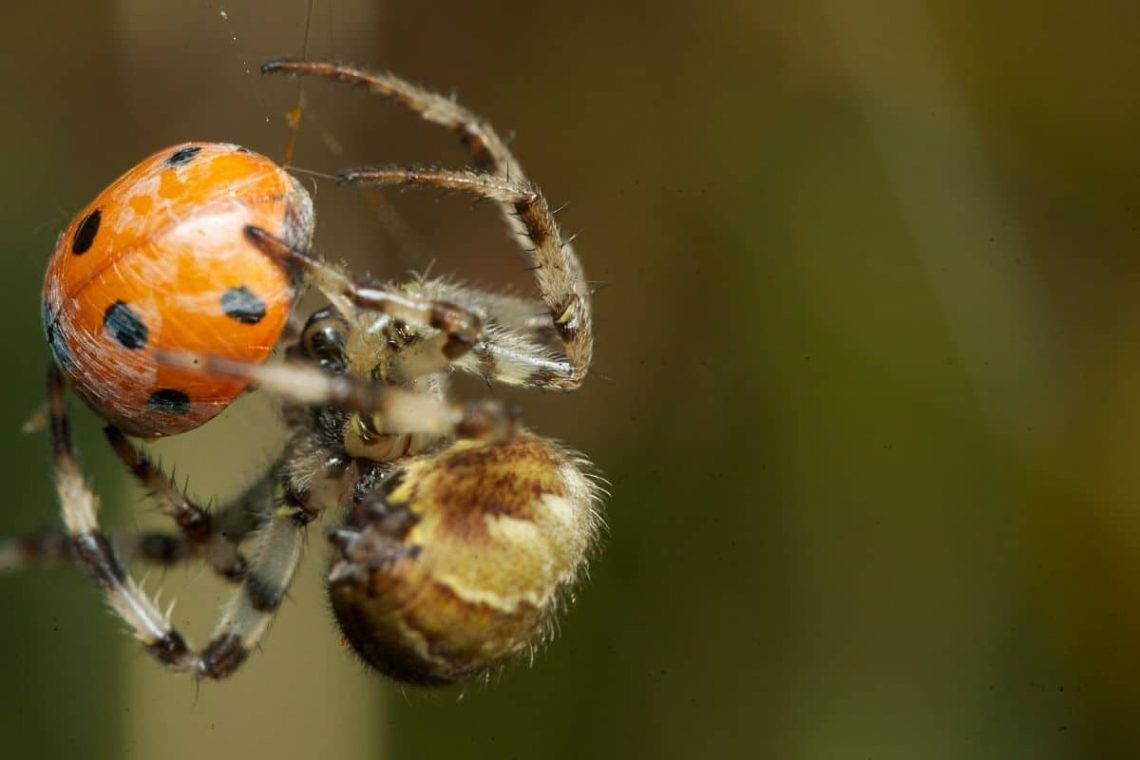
column 160, row 261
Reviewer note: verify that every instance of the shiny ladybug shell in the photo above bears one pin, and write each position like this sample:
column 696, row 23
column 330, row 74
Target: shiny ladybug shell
column 160, row 261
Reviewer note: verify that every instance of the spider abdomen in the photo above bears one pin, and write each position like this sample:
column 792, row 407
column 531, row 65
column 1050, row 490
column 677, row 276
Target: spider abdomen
column 459, row 562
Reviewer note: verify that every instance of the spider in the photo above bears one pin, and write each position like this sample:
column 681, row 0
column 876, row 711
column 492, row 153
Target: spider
column 462, row 530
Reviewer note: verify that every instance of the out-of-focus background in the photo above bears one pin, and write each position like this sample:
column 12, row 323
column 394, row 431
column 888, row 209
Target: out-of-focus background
column 866, row 381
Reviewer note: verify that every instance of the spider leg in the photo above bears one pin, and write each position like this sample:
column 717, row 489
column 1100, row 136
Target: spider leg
column 244, row 619
column 460, row 326
column 556, row 267
column 196, row 524
column 477, row 136
column 560, row 279
column 459, row 314
column 229, row 526
column 93, row 548
column 53, row 548
column 391, row 411
column 517, row 334
column 520, row 314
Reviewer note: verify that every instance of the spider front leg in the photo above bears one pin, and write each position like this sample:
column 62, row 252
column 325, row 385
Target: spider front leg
column 464, row 341
column 559, row 277
column 460, row 327
column 558, row 272
column 480, row 139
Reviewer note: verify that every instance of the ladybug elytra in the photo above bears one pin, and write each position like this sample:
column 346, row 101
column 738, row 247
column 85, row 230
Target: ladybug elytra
column 159, row 261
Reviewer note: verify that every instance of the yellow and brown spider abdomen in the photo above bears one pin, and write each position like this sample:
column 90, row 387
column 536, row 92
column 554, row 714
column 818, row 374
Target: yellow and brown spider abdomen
column 460, row 559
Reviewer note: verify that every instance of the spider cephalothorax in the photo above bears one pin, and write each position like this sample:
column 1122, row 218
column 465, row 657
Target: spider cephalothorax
column 461, row 530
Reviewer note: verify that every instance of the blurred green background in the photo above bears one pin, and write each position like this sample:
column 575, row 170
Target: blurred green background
column 864, row 389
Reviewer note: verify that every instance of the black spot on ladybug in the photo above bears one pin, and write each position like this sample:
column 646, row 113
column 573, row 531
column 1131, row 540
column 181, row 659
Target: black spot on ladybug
column 122, row 324
column 85, row 234
column 59, row 351
column 241, row 304
column 183, row 156
column 169, row 401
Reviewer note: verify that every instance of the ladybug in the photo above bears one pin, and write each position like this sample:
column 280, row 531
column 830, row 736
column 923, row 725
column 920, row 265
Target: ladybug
column 160, row 261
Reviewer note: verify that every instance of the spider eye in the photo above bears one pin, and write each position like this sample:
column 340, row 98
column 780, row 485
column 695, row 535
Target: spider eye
column 323, row 340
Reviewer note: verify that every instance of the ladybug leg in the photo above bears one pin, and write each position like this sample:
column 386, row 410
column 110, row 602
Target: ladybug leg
column 253, row 604
column 198, row 526
column 558, row 272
